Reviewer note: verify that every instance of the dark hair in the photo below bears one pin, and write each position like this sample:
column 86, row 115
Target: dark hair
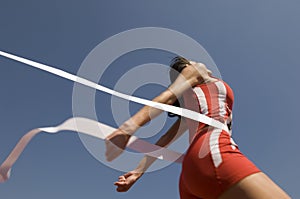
column 177, row 64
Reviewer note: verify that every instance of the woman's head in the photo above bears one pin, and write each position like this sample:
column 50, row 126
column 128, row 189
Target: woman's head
column 177, row 65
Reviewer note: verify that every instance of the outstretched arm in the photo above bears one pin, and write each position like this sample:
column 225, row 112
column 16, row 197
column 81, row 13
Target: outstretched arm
column 116, row 142
column 127, row 180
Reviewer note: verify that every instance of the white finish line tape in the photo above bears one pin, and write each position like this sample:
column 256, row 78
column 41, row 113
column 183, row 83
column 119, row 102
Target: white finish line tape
column 176, row 110
column 92, row 128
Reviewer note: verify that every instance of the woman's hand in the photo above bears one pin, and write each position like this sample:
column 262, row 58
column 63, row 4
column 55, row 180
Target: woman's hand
column 127, row 180
column 115, row 144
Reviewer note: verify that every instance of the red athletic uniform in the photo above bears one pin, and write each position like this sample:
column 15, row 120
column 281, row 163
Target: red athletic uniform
column 213, row 162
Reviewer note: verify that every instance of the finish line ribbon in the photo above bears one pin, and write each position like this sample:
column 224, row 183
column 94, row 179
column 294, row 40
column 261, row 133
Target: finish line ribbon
column 91, row 127
column 165, row 107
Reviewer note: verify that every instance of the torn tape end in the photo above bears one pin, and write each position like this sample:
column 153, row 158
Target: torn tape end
column 49, row 129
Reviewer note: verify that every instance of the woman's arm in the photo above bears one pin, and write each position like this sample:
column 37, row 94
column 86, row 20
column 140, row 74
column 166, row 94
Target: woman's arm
column 187, row 79
column 116, row 142
column 127, row 180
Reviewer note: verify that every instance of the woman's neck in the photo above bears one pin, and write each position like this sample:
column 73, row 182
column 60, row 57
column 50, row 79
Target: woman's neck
column 206, row 79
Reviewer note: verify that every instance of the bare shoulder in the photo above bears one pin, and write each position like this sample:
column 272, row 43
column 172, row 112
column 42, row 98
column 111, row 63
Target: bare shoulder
column 195, row 73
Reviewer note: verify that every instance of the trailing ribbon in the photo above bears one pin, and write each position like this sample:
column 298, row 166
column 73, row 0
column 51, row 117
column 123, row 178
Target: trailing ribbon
column 92, row 128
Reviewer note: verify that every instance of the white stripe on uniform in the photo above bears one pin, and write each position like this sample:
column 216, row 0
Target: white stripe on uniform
column 202, row 100
column 214, row 146
column 222, row 92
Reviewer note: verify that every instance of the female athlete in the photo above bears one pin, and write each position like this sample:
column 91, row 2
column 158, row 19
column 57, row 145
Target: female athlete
column 213, row 166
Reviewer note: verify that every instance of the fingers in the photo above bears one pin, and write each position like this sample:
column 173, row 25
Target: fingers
column 115, row 144
column 112, row 151
column 122, row 178
column 120, row 183
column 124, row 183
column 122, row 186
column 126, row 175
column 122, row 189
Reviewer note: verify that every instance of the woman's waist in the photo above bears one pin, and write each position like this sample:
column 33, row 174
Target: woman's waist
column 195, row 126
column 202, row 129
column 210, row 135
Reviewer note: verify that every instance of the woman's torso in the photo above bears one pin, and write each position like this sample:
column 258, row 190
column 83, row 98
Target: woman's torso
column 213, row 99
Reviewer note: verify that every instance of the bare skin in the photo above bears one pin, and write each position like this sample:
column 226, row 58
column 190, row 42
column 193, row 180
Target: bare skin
column 127, row 180
column 255, row 186
column 190, row 76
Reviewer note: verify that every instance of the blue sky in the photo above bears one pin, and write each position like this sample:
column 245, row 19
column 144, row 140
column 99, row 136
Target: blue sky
column 255, row 45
